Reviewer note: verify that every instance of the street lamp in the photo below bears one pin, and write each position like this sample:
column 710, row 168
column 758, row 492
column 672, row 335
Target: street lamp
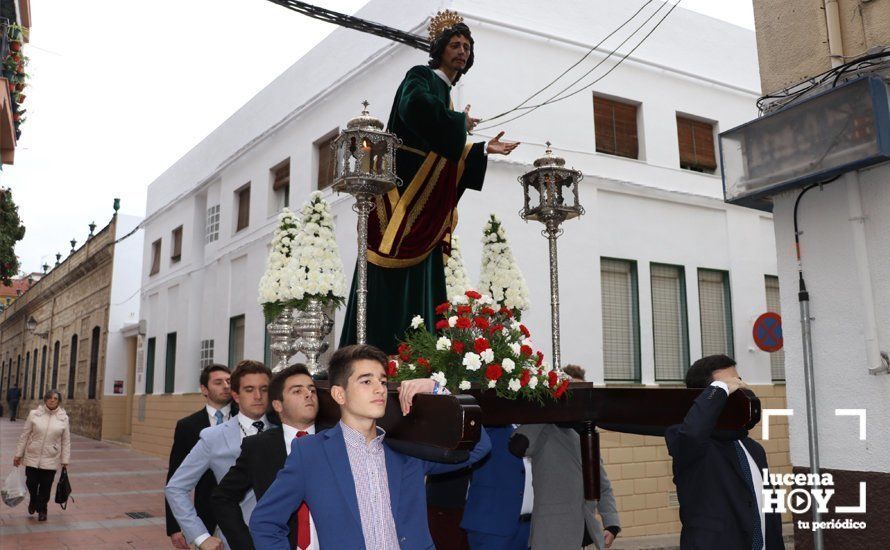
column 555, row 200
column 365, row 167
column 32, row 328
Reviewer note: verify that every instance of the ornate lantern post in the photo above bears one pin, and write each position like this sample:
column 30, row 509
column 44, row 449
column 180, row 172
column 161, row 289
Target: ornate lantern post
column 365, row 167
column 555, row 200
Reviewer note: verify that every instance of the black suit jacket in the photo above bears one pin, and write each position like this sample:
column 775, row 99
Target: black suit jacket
column 262, row 455
column 716, row 504
column 188, row 431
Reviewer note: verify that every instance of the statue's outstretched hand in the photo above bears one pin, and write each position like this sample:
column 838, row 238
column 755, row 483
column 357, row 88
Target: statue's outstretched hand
column 498, row 147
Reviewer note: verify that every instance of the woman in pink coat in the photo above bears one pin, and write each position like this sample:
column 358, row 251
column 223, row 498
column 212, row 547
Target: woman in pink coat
column 43, row 446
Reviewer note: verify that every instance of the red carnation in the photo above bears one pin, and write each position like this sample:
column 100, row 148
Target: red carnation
column 458, row 347
column 526, row 376
column 561, row 389
column 442, row 308
column 507, row 311
column 540, row 359
column 423, row 363
column 464, row 310
column 481, row 322
column 481, row 344
column 442, row 324
column 463, row 322
column 495, row 328
column 524, row 331
column 494, row 371
column 473, row 294
column 525, row 350
column 392, row 368
column 552, row 378
column 487, row 311
column 404, row 351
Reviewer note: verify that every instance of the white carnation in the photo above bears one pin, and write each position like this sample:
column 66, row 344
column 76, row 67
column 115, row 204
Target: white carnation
column 472, row 361
column 465, row 385
column 514, row 385
column 439, row 377
column 457, row 282
column 514, row 347
column 500, row 276
column 508, row 364
column 492, row 383
column 416, row 321
column 487, row 355
column 533, row 382
column 452, row 321
column 443, row 343
column 315, row 268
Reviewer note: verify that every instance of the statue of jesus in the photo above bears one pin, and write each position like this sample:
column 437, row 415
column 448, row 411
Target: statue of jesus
column 410, row 229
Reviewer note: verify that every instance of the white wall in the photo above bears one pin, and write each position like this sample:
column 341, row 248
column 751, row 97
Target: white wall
column 645, row 210
column 840, row 365
column 124, row 300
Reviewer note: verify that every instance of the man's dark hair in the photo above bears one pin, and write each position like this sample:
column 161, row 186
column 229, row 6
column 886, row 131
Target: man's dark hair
column 437, row 48
column 276, row 386
column 205, row 372
column 244, row 368
column 574, row 371
column 701, row 373
column 343, row 360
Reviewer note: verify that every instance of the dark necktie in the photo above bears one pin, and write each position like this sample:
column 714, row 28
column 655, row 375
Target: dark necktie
column 757, row 543
column 304, row 536
column 259, row 426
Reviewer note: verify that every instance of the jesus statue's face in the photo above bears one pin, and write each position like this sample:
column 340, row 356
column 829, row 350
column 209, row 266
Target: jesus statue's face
column 456, row 54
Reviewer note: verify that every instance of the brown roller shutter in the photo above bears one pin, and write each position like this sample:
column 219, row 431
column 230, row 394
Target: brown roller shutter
column 615, row 124
column 325, row 163
column 281, row 176
column 243, row 208
column 696, row 140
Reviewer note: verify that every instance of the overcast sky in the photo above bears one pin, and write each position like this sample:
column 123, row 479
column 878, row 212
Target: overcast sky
column 121, row 89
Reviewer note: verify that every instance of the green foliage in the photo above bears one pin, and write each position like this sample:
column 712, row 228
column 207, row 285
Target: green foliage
column 11, row 231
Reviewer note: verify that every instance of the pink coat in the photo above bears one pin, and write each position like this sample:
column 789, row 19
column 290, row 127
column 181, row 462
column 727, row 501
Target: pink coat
column 46, row 441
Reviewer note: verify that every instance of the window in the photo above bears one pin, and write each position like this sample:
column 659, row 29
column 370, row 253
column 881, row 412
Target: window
column 24, row 385
column 716, row 312
column 55, row 378
column 34, row 374
column 621, row 320
column 669, row 325
column 211, row 232
column 155, row 257
column 206, row 353
column 170, row 364
column 696, row 140
column 150, row 367
column 615, row 127
column 236, row 340
column 242, row 199
column 94, row 363
column 280, row 176
column 18, row 369
column 42, row 373
column 776, row 358
column 72, row 366
column 176, row 252
column 326, row 161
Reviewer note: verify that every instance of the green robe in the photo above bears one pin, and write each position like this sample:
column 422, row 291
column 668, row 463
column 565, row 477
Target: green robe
column 411, row 227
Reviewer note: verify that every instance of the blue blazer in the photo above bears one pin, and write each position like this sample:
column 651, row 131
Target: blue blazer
column 495, row 496
column 318, row 472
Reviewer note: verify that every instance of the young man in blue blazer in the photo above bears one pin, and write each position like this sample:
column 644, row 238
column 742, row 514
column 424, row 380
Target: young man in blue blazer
column 362, row 494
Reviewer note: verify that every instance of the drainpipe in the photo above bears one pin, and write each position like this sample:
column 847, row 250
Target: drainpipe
column 835, row 40
column 857, row 225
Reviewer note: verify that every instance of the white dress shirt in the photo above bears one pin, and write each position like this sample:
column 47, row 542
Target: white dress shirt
column 290, row 433
column 211, row 413
column 528, row 493
column 247, row 427
column 756, row 475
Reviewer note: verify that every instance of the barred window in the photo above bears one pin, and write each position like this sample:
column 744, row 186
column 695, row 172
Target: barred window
column 621, row 320
column 776, row 358
column 212, row 229
column 206, row 353
column 716, row 312
column 669, row 323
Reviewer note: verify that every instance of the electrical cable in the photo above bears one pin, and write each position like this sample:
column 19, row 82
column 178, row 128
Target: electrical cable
column 802, row 286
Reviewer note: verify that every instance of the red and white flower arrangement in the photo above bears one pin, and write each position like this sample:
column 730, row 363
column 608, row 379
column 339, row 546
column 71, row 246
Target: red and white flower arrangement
column 476, row 344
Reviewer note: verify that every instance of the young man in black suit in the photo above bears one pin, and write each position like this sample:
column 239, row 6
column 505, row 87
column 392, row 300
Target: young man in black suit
column 718, row 474
column 218, row 408
column 292, row 394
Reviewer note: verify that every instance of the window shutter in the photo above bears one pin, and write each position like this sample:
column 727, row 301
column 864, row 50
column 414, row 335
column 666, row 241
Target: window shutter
column 615, row 127
column 243, row 208
column 716, row 316
column 281, row 176
column 325, row 163
column 177, row 244
column 155, row 257
column 620, row 318
column 669, row 322
column 696, row 141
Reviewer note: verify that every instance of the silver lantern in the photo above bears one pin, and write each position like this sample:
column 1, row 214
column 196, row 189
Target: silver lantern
column 550, row 191
column 365, row 167
column 284, row 338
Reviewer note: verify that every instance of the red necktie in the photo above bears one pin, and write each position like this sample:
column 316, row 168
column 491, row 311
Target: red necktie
column 304, row 536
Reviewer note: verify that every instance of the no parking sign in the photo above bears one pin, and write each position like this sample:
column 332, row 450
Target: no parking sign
column 768, row 332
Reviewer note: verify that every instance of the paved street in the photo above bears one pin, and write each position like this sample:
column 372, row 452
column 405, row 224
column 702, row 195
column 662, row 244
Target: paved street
column 108, row 483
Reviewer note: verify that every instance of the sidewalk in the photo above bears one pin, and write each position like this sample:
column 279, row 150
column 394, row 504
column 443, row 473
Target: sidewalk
column 118, row 500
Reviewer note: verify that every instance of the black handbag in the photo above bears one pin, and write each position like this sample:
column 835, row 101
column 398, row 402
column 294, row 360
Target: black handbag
column 63, row 489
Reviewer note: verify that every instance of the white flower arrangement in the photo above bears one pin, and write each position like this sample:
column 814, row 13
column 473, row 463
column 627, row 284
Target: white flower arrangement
column 274, row 288
column 500, row 276
column 316, row 269
column 457, row 282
